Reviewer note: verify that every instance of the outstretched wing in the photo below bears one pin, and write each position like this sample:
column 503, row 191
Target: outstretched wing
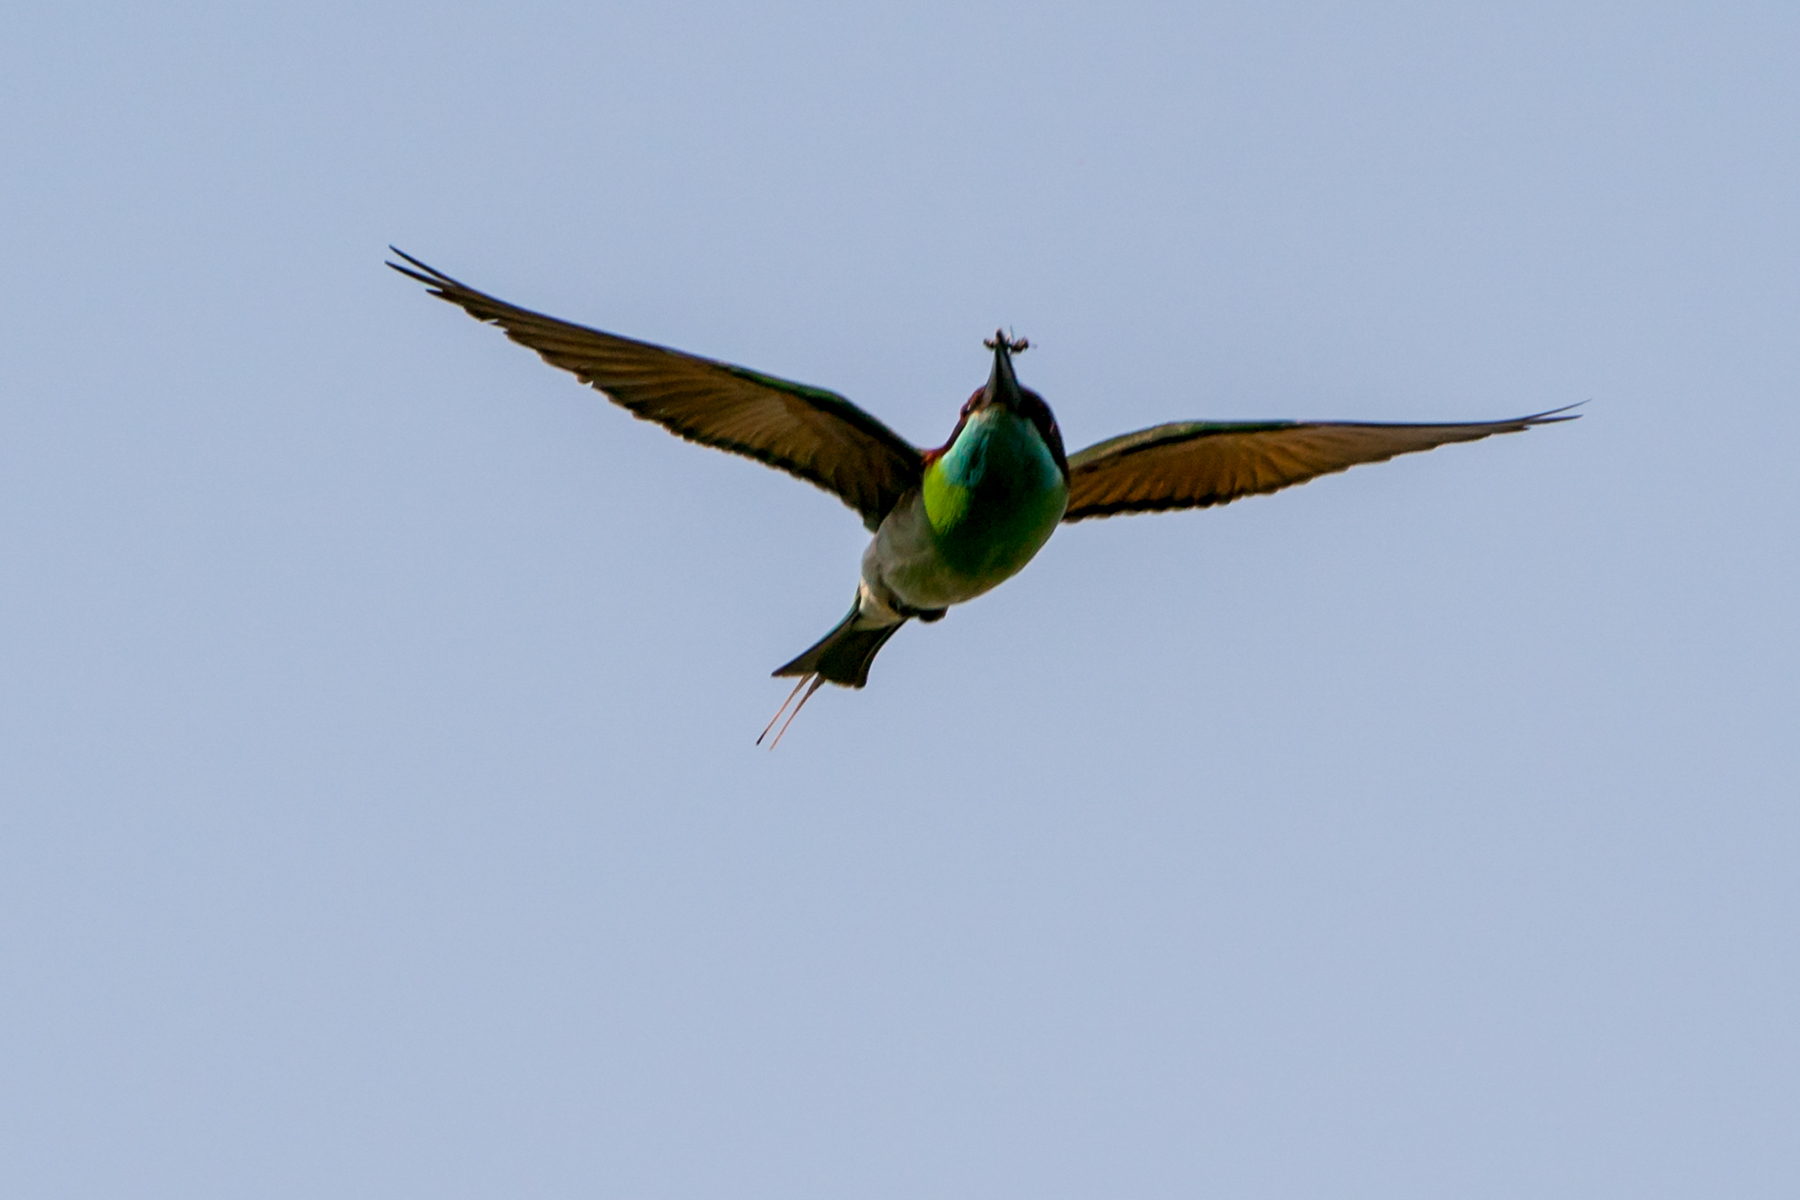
column 1193, row 464
column 805, row 431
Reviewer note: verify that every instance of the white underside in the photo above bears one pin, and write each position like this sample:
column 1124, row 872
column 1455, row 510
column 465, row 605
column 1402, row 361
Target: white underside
column 902, row 569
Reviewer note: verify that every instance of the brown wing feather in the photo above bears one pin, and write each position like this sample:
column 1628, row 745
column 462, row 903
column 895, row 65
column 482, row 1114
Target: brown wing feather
column 809, row 432
column 1194, row 464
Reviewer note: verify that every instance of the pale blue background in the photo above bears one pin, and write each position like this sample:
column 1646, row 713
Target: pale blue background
column 380, row 816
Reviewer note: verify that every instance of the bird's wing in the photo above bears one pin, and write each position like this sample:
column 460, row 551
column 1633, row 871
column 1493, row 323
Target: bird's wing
column 1193, row 464
column 805, row 431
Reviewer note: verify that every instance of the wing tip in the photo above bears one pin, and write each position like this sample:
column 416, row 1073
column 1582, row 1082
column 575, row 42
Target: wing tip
column 439, row 283
column 1552, row 416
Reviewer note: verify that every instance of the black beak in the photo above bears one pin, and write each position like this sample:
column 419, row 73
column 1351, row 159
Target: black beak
column 1002, row 385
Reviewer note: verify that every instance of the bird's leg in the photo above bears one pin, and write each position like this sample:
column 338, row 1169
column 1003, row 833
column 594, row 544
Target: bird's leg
column 816, row 681
column 907, row 612
column 782, row 709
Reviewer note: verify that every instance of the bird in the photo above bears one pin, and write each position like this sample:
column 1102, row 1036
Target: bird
column 953, row 523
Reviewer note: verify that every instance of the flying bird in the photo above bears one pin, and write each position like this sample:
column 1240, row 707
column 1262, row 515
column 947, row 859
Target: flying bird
column 951, row 523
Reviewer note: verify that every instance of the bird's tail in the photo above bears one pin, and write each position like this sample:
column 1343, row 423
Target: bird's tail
column 841, row 657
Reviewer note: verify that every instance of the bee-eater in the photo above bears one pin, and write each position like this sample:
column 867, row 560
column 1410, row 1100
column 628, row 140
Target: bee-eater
column 954, row 522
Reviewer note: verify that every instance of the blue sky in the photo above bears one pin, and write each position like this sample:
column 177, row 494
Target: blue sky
column 378, row 809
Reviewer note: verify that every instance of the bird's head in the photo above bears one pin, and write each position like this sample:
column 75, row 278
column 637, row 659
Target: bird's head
column 1002, row 390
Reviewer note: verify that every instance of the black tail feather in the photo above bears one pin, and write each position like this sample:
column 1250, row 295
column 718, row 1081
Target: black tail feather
column 843, row 655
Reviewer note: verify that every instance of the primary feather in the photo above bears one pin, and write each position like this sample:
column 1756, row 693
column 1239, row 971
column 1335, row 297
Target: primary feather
column 806, row 431
column 1194, row 464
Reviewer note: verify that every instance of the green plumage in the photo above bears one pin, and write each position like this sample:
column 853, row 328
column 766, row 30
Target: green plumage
column 994, row 497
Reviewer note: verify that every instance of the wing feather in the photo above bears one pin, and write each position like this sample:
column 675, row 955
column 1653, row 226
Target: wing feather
column 1195, row 464
column 806, row 431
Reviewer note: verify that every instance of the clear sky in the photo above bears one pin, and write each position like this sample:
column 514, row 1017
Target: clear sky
column 378, row 809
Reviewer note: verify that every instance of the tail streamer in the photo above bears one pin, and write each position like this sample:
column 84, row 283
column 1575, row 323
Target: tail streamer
column 779, row 711
column 817, row 682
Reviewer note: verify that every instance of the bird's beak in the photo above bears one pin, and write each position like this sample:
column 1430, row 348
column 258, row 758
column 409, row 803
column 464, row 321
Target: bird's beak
column 1002, row 385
